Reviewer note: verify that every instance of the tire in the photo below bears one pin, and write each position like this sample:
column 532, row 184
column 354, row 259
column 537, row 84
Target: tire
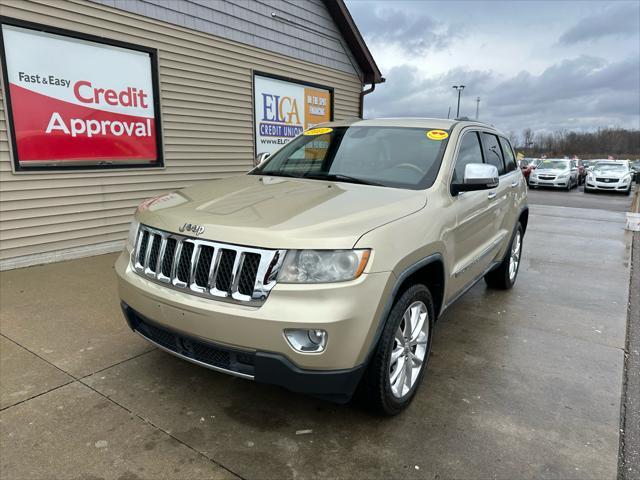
column 501, row 277
column 376, row 387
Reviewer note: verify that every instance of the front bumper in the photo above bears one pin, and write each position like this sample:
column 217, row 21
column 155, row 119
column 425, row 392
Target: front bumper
column 607, row 186
column 337, row 385
column 348, row 311
column 556, row 183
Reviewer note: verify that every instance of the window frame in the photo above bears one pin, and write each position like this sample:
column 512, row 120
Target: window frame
column 457, row 152
column 502, row 139
column 504, row 167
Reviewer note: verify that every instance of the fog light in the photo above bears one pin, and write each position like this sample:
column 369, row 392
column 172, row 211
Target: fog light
column 306, row 341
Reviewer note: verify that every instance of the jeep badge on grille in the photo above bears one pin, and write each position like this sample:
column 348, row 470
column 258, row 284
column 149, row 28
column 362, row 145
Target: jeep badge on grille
column 193, row 228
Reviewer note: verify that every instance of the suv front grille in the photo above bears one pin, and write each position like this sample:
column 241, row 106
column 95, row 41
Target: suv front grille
column 205, row 268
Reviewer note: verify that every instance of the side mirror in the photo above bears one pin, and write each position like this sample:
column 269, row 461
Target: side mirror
column 477, row 176
column 261, row 157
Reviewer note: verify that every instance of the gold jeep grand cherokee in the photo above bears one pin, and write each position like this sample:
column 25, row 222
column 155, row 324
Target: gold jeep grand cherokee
column 325, row 268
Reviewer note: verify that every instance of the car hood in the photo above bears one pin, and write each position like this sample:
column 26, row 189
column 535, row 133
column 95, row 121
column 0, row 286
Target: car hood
column 551, row 171
column 279, row 212
column 609, row 174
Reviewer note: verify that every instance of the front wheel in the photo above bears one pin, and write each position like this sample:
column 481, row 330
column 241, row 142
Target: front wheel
column 401, row 356
column 504, row 276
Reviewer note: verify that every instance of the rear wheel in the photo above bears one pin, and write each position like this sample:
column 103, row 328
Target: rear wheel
column 401, row 356
column 504, row 276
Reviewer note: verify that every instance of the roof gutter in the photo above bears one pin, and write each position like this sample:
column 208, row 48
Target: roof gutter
column 367, row 92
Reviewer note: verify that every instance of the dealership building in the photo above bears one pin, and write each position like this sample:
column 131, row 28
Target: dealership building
column 108, row 102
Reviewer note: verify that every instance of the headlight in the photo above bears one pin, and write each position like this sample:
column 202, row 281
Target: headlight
column 591, row 175
column 133, row 233
column 322, row 266
column 625, row 179
column 563, row 175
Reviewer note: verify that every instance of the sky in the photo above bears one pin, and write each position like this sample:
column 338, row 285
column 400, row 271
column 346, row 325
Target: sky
column 545, row 65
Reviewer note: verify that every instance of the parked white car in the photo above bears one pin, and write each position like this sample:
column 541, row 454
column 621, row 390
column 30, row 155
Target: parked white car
column 609, row 176
column 555, row 172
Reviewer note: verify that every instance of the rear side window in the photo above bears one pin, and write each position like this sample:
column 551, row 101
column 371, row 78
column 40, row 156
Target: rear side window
column 492, row 152
column 509, row 158
column 469, row 152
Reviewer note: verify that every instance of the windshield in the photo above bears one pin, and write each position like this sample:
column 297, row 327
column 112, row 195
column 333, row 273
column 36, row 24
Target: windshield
column 554, row 164
column 610, row 167
column 383, row 156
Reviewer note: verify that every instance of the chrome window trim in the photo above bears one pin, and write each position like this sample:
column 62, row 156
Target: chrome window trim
column 270, row 263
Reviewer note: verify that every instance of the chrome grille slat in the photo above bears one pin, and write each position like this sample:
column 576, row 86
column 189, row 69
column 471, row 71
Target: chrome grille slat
column 206, row 268
column 148, row 252
column 174, row 265
column 195, row 256
column 163, row 246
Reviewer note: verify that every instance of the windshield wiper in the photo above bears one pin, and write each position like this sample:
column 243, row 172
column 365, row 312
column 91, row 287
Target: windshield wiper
column 330, row 177
column 278, row 174
column 345, row 178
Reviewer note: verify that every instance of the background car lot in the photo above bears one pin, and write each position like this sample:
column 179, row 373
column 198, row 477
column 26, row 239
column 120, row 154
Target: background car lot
column 522, row 384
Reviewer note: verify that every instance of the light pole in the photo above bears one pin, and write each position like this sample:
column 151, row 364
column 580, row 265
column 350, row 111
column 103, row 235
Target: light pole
column 477, row 107
column 459, row 88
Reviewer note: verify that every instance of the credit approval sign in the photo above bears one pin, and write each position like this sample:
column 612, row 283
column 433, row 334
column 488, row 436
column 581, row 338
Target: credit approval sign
column 284, row 108
column 75, row 102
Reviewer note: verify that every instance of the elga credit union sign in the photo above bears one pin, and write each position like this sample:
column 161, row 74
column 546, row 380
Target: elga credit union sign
column 75, row 102
column 283, row 109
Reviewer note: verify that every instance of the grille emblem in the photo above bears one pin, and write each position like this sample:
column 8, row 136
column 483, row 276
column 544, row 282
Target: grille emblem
column 192, row 227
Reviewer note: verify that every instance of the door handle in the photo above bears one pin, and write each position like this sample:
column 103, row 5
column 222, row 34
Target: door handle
column 515, row 184
column 491, row 195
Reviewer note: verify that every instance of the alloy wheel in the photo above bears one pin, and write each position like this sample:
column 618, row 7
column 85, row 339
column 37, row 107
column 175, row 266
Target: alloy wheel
column 514, row 260
column 409, row 349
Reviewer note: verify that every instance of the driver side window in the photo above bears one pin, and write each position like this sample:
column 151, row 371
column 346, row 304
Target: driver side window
column 470, row 151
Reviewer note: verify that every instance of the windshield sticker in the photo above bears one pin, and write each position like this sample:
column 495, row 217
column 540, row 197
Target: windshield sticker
column 318, row 131
column 437, row 134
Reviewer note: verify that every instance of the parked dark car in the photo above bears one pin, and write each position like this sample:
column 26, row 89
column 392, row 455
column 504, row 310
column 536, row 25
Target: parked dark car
column 527, row 165
column 583, row 165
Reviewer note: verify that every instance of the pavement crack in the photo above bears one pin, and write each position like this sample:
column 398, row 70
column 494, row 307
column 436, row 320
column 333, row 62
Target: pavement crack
column 39, row 356
column 118, row 363
column 37, row 395
column 149, row 422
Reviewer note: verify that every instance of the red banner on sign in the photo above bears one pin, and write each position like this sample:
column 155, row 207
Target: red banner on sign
column 50, row 129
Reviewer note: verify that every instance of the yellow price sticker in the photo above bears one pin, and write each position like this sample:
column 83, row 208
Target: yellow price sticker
column 318, row 131
column 437, row 134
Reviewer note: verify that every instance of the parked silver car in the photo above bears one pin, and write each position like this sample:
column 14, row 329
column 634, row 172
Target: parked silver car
column 609, row 176
column 555, row 172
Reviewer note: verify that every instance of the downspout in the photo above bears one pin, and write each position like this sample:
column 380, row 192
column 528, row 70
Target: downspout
column 366, row 92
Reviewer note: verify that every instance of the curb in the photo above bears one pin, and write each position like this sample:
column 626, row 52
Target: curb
column 629, row 448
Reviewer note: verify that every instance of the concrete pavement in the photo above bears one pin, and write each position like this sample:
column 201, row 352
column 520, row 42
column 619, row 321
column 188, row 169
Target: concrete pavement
column 521, row 384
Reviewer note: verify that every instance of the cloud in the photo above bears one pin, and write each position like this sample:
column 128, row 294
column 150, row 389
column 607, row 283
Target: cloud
column 580, row 93
column 620, row 20
column 413, row 32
